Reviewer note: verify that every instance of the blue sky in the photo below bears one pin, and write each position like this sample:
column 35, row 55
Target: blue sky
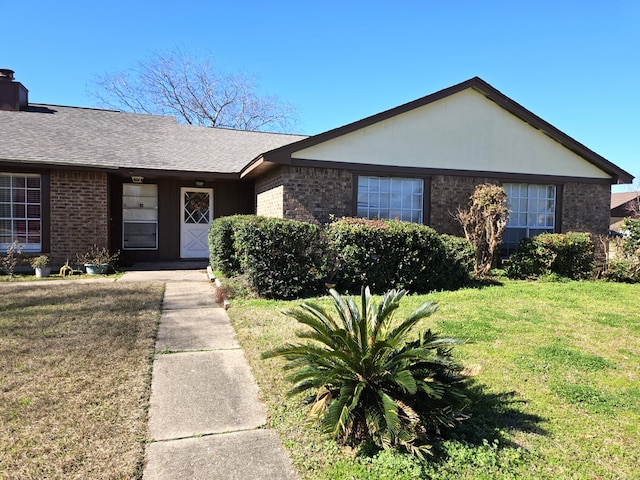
column 575, row 64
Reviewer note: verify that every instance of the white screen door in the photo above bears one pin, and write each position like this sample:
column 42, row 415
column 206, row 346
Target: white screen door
column 196, row 215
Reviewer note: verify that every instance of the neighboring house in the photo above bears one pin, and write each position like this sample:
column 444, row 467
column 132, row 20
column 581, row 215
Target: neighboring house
column 148, row 186
column 624, row 205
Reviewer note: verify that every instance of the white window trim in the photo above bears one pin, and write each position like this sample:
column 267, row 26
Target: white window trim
column 536, row 226
column 29, row 247
column 144, row 212
column 379, row 211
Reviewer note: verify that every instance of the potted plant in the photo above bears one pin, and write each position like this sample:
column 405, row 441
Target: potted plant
column 97, row 260
column 41, row 265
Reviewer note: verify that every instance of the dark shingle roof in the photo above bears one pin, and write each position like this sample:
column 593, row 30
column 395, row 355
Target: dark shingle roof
column 56, row 135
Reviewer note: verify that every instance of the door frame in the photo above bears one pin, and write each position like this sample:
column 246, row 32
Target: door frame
column 181, row 210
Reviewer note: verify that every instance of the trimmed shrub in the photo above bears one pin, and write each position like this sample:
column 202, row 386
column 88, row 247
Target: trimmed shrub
column 460, row 255
column 281, row 258
column 382, row 253
column 286, row 259
column 570, row 255
column 222, row 253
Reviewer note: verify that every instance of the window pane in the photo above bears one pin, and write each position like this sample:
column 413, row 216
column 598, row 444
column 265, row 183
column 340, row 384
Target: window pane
column 19, row 210
column 5, row 210
column 20, row 227
column 532, row 207
column 33, row 211
column 33, row 227
column 395, row 198
column 140, row 235
column 549, row 221
column 33, row 196
column 140, row 215
column 5, row 229
column 18, row 195
column 33, row 182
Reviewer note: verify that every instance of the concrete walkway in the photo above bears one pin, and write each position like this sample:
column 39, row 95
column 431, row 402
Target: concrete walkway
column 205, row 418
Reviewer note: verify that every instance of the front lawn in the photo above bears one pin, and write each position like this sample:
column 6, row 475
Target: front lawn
column 557, row 394
column 75, row 366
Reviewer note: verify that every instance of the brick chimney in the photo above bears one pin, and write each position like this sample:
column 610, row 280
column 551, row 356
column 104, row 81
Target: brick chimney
column 13, row 95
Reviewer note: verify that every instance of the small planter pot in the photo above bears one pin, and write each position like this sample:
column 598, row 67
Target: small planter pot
column 42, row 272
column 93, row 269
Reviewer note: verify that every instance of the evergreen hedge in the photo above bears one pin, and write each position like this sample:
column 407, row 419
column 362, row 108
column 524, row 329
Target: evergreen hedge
column 289, row 259
column 280, row 258
column 570, row 255
column 222, row 253
column 391, row 253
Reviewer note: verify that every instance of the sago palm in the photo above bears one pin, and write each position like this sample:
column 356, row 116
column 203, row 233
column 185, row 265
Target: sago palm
column 374, row 379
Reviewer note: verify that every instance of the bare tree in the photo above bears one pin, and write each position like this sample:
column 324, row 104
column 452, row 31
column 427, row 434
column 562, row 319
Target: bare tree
column 484, row 223
column 188, row 87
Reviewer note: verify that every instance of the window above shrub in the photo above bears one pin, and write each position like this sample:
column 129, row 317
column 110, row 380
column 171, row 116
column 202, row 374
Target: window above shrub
column 392, row 198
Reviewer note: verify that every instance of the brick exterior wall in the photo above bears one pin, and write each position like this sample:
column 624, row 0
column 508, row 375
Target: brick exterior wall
column 269, row 191
column 313, row 194
column 270, row 203
column 448, row 193
column 309, row 194
column 586, row 208
column 79, row 213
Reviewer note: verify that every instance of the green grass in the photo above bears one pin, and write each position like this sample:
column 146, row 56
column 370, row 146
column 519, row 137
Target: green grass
column 75, row 369
column 557, row 395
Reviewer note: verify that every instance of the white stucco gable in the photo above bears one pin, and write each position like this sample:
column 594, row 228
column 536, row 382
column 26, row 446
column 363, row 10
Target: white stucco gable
column 463, row 131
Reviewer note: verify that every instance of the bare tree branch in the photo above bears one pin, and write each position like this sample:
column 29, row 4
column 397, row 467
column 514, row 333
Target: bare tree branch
column 190, row 89
column 484, row 223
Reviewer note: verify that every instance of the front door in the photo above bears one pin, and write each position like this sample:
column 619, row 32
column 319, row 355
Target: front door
column 196, row 215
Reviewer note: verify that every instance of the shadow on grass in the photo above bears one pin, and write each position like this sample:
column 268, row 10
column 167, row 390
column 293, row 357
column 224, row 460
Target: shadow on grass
column 494, row 417
column 484, row 282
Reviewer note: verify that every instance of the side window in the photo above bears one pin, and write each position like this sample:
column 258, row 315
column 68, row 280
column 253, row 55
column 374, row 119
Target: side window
column 21, row 211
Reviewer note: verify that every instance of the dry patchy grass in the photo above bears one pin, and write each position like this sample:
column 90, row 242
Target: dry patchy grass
column 75, row 365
